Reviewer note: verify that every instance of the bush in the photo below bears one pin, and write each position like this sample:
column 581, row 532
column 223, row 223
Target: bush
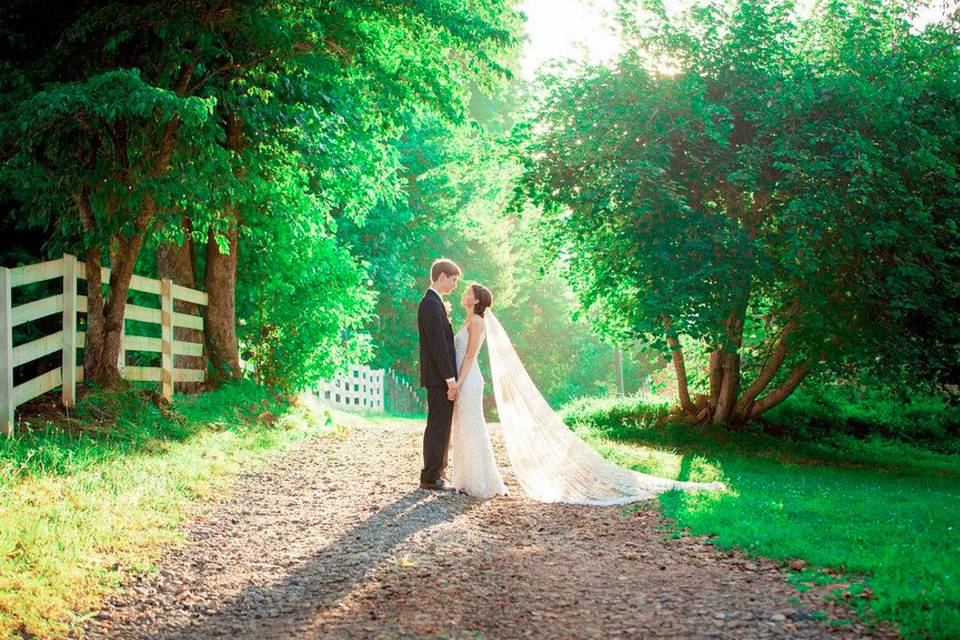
column 611, row 415
column 923, row 420
column 816, row 414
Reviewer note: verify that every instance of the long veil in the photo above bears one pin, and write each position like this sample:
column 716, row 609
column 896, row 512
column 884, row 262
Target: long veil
column 551, row 462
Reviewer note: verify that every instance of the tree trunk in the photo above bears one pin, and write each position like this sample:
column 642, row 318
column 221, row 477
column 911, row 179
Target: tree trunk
column 680, row 369
column 219, row 321
column 618, row 364
column 176, row 262
column 93, row 340
column 122, row 260
column 220, row 280
column 716, row 379
column 729, row 386
column 729, row 383
column 745, row 404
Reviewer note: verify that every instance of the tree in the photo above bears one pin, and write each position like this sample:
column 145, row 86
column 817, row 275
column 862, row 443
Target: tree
column 778, row 192
column 183, row 122
column 327, row 86
column 91, row 157
column 457, row 183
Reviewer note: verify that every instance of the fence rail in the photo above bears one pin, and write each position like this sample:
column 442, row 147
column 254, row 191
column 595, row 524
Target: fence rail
column 364, row 389
column 68, row 339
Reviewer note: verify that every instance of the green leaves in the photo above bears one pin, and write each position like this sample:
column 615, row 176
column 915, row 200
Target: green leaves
column 150, row 120
column 789, row 158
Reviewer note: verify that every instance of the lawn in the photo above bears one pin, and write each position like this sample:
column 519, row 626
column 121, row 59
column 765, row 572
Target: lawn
column 880, row 514
column 87, row 498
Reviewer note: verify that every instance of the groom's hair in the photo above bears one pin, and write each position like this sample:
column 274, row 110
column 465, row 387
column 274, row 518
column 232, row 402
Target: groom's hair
column 446, row 267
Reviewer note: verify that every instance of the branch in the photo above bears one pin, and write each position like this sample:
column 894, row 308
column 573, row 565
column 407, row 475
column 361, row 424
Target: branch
column 716, row 377
column 229, row 67
column 782, row 392
column 166, row 147
column 186, row 73
column 82, row 200
column 766, row 374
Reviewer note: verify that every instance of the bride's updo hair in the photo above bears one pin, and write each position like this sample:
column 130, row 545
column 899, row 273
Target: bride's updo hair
column 484, row 298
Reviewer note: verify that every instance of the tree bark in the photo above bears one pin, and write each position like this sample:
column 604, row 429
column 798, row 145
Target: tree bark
column 219, row 321
column 93, row 340
column 745, row 404
column 176, row 262
column 122, row 261
column 93, row 335
column 729, row 364
column 679, row 367
column 728, row 388
column 220, row 281
column 782, row 392
column 716, row 379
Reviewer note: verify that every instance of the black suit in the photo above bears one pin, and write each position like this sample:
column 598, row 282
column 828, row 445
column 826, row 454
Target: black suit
column 438, row 361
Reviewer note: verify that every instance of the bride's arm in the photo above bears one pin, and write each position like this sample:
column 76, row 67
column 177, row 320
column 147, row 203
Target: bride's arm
column 474, row 331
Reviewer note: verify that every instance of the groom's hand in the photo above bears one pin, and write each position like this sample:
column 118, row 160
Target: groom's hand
column 452, row 389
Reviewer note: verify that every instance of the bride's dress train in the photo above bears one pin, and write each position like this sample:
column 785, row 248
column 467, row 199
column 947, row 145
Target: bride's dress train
column 552, row 463
column 474, row 469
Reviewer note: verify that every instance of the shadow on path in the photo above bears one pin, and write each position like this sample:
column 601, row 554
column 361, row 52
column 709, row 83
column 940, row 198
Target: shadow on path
column 327, row 578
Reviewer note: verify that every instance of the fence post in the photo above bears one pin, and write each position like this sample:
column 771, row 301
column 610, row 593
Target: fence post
column 68, row 363
column 166, row 333
column 6, row 353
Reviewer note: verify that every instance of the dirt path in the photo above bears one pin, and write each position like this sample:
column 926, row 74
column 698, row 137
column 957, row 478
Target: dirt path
column 334, row 540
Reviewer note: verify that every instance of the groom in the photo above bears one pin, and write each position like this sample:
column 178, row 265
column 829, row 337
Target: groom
column 438, row 372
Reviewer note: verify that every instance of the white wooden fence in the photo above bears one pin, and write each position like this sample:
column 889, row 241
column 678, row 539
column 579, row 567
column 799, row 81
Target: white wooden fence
column 68, row 339
column 364, row 389
column 359, row 389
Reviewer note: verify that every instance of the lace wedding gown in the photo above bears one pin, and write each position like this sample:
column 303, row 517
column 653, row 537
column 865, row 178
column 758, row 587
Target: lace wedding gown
column 474, row 470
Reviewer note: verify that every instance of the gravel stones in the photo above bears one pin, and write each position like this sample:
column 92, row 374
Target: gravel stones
column 334, row 540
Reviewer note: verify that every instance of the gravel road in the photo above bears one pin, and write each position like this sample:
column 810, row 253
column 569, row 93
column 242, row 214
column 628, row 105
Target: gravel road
column 335, row 540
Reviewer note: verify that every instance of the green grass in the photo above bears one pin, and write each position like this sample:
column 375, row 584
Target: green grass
column 880, row 514
column 86, row 499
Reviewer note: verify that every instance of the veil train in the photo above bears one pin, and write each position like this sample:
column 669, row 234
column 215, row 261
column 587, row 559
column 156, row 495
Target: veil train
column 551, row 462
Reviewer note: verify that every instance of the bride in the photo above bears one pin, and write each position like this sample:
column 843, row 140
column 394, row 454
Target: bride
column 551, row 463
column 474, row 470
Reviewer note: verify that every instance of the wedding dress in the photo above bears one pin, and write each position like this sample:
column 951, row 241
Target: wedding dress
column 474, row 470
column 552, row 463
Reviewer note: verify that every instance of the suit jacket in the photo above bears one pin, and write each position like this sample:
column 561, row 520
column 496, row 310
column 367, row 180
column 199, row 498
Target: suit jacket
column 438, row 358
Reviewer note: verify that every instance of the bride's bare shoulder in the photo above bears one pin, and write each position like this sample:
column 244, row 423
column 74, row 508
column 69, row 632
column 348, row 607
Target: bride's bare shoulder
column 476, row 324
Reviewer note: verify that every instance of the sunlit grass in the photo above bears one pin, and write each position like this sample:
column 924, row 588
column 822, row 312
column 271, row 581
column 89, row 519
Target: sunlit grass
column 82, row 503
column 653, row 460
column 882, row 513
